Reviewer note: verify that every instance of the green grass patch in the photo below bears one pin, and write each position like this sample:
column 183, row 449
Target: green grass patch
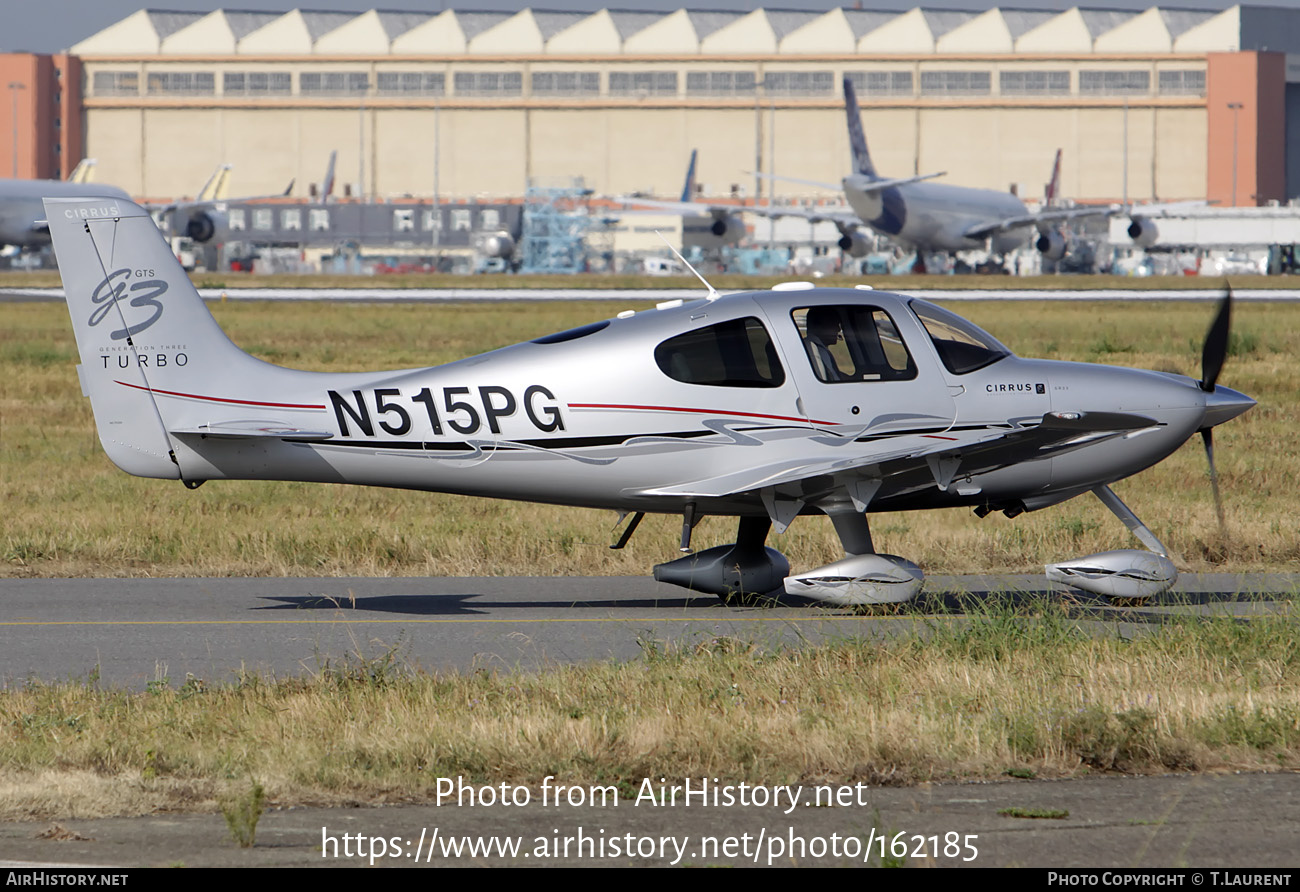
column 1049, row 813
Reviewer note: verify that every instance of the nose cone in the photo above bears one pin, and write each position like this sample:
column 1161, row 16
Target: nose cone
column 1223, row 404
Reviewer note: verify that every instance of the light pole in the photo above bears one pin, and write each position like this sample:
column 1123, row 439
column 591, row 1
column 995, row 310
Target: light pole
column 437, row 151
column 14, row 87
column 771, row 168
column 361, row 148
column 1236, row 107
column 1125, row 186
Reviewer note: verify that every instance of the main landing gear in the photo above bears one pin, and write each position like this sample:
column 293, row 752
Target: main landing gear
column 748, row 570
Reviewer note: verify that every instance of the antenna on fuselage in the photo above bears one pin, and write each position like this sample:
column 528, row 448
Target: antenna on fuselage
column 713, row 293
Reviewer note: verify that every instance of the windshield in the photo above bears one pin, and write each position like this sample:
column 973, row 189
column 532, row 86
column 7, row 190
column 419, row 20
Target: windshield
column 962, row 346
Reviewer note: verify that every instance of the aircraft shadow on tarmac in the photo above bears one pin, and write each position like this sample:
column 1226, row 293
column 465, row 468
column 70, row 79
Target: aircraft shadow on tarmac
column 460, row 605
column 968, row 602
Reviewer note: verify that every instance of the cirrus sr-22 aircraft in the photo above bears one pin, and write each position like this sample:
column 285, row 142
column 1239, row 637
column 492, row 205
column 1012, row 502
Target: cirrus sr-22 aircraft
column 762, row 406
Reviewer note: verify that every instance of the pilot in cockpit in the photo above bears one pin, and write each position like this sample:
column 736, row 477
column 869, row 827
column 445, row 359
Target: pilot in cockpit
column 823, row 334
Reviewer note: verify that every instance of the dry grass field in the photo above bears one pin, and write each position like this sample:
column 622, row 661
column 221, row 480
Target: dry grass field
column 721, row 281
column 70, row 513
column 1008, row 690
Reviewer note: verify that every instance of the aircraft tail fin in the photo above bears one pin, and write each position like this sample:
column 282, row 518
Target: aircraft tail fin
column 1052, row 190
column 688, row 190
column 857, row 137
column 327, row 185
column 150, row 350
column 84, row 172
column 215, row 188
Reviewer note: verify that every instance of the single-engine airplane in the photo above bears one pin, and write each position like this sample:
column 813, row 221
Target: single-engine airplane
column 762, row 406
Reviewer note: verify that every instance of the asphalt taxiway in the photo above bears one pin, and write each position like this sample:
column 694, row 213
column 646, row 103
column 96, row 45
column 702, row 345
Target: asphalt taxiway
column 133, row 631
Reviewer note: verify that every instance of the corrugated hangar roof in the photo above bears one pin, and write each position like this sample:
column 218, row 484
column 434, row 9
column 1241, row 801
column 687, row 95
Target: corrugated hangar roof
column 918, row 30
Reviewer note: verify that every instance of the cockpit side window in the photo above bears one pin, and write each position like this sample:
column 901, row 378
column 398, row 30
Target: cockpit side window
column 735, row 353
column 962, row 346
column 853, row 343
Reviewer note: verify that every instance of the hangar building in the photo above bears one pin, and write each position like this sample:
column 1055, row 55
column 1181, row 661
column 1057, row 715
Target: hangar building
column 1161, row 104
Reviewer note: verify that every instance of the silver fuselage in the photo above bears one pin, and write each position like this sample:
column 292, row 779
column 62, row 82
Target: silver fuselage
column 21, row 210
column 934, row 216
column 594, row 421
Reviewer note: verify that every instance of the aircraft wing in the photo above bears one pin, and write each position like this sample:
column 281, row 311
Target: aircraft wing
column 685, row 208
column 843, row 217
column 1160, row 210
column 1043, row 218
column 942, row 457
column 209, row 202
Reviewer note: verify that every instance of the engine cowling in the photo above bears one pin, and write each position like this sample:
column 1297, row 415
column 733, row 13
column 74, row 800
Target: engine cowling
column 496, row 244
column 1052, row 245
column 1143, row 231
column 731, row 229
column 200, row 227
column 855, row 244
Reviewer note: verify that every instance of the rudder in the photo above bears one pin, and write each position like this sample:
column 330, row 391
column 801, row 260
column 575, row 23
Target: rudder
column 857, row 137
column 688, row 190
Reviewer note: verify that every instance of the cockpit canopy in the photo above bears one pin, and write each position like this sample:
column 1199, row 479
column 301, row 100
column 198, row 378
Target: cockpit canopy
column 844, row 342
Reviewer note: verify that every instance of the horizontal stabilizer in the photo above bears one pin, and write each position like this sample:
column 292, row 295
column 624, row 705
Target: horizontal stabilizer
column 240, row 430
column 859, row 182
column 878, row 185
column 1045, row 218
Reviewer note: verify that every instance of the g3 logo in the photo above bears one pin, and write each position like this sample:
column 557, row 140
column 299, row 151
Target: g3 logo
column 108, row 292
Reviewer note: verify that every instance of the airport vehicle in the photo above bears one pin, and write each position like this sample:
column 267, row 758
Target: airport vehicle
column 762, row 406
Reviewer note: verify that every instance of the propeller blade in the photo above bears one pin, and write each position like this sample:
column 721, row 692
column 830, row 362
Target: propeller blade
column 1215, row 350
column 1207, row 436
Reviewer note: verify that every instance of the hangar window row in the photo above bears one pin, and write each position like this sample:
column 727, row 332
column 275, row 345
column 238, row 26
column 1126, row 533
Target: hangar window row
column 881, row 83
column 189, row 82
column 332, row 82
column 659, row 83
column 290, row 219
column 256, row 83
